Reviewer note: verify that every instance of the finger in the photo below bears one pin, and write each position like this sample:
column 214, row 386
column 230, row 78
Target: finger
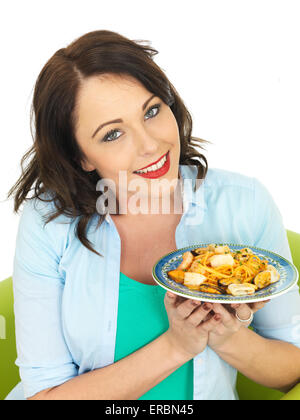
column 171, row 295
column 184, row 309
column 198, row 315
column 209, row 316
column 258, row 305
column 227, row 319
column 244, row 311
column 180, row 300
column 210, row 325
column 170, row 300
column 229, row 308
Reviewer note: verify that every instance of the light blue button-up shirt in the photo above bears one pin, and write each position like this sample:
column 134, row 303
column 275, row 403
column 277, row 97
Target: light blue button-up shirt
column 66, row 297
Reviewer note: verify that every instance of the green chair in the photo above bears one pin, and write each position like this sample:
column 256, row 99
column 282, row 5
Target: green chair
column 9, row 373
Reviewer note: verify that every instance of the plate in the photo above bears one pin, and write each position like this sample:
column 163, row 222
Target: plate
column 288, row 276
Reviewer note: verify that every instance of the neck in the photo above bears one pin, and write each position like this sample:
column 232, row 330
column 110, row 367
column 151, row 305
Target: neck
column 165, row 205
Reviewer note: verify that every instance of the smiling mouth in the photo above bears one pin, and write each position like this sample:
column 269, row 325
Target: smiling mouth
column 150, row 168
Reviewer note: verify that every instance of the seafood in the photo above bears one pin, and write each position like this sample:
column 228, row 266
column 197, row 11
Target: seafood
column 218, row 270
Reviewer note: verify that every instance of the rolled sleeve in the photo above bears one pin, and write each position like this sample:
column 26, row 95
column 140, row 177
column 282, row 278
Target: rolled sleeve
column 43, row 357
column 280, row 318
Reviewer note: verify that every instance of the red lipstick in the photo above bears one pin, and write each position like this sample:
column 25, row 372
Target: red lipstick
column 160, row 172
column 154, row 163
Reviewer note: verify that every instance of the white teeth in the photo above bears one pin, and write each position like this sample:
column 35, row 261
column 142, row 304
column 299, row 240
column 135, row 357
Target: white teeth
column 161, row 163
column 153, row 167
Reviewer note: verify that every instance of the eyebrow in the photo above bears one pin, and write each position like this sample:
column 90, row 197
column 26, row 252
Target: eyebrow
column 120, row 120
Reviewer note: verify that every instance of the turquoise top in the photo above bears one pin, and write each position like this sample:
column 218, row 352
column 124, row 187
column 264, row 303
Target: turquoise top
column 142, row 318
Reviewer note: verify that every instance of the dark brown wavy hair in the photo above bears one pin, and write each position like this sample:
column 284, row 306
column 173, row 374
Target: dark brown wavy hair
column 55, row 155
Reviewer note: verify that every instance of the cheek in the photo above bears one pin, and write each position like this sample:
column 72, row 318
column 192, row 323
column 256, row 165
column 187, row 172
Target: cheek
column 166, row 127
column 110, row 163
column 172, row 129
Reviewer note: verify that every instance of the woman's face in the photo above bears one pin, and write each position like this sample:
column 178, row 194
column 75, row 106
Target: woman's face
column 149, row 129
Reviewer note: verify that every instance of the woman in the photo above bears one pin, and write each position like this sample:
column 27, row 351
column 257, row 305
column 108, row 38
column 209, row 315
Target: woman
column 90, row 321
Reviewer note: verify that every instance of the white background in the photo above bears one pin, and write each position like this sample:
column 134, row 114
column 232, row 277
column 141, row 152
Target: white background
column 235, row 63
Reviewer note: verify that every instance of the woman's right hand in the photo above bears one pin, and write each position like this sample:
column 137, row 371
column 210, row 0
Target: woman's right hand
column 189, row 324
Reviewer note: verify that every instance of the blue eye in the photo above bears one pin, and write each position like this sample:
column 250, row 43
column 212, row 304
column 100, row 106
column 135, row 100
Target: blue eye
column 154, row 107
column 110, row 135
column 107, row 137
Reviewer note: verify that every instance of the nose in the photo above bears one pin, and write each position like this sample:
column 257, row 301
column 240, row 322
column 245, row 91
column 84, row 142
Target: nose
column 146, row 145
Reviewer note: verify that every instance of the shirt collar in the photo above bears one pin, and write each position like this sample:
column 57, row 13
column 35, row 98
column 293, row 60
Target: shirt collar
column 188, row 173
column 189, row 176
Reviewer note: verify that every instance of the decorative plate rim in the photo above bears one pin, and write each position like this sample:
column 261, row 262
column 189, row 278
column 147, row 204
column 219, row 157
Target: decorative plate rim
column 222, row 298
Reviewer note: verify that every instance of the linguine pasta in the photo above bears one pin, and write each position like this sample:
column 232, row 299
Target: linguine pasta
column 219, row 270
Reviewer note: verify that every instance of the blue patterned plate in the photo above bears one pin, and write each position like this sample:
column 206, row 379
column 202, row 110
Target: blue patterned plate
column 288, row 276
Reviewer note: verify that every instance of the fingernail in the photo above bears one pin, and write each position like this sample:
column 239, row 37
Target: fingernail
column 217, row 317
column 206, row 306
column 170, row 295
column 195, row 302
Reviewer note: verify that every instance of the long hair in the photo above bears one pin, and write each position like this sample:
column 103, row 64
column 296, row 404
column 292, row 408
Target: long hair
column 54, row 158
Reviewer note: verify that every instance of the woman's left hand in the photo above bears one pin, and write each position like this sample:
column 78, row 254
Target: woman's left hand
column 230, row 324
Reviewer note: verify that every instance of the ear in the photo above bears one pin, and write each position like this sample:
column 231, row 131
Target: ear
column 86, row 166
